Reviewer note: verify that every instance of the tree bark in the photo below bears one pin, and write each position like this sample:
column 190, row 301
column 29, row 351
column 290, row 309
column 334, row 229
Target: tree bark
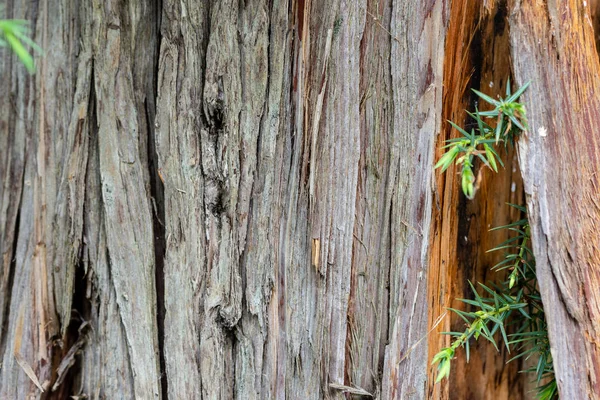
column 236, row 199
column 220, row 199
column 476, row 56
column 553, row 45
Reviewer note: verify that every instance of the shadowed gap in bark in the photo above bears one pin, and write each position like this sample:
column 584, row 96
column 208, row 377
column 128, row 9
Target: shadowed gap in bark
column 157, row 198
column 158, row 218
column 9, row 283
column 67, row 366
column 477, row 57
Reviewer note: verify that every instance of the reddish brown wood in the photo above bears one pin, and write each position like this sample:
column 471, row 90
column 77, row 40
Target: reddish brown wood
column 477, row 50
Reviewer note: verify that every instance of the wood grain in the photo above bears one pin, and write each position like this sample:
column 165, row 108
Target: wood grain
column 553, row 46
column 237, row 197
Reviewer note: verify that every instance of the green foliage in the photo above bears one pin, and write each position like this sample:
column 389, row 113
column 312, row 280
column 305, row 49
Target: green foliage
column 516, row 301
column 510, row 119
column 531, row 337
column 485, row 322
column 14, row 34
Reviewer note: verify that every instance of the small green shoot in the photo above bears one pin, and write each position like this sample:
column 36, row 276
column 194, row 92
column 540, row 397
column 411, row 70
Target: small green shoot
column 510, row 117
column 14, row 34
column 516, row 301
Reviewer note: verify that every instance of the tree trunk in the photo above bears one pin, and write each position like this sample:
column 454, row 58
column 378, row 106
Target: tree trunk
column 476, row 52
column 206, row 185
column 236, row 199
column 554, row 46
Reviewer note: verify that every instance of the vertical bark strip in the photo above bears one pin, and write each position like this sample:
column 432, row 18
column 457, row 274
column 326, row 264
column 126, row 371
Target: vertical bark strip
column 332, row 199
column 12, row 166
column 184, row 31
column 260, row 336
column 123, row 61
column 369, row 291
column 553, row 46
column 105, row 364
column 50, row 232
column 416, row 68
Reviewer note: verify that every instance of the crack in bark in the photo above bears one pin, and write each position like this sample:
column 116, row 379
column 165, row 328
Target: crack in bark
column 9, row 283
column 157, row 196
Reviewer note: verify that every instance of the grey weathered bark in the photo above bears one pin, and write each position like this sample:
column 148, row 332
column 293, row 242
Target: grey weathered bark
column 553, row 45
column 234, row 197
column 417, row 66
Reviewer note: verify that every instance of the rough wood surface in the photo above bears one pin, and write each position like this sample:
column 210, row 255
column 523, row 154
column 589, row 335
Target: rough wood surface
column 124, row 43
column 45, row 169
column 235, row 199
column 476, row 56
column 553, row 46
column 417, row 65
column 219, row 199
column 115, row 250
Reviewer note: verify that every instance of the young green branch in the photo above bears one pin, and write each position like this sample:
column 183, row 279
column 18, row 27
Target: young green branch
column 14, row 34
column 510, row 120
column 519, row 291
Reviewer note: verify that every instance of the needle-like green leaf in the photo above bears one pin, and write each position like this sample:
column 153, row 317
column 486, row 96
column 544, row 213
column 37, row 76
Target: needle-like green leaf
column 13, row 34
column 487, row 98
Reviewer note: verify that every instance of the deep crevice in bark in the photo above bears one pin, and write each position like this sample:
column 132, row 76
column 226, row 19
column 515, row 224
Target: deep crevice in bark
column 477, row 56
column 10, row 281
column 158, row 221
column 77, row 326
column 158, row 207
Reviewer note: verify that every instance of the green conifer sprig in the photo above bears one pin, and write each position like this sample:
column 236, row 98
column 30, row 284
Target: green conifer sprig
column 496, row 311
column 515, row 302
column 510, row 119
column 14, row 34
